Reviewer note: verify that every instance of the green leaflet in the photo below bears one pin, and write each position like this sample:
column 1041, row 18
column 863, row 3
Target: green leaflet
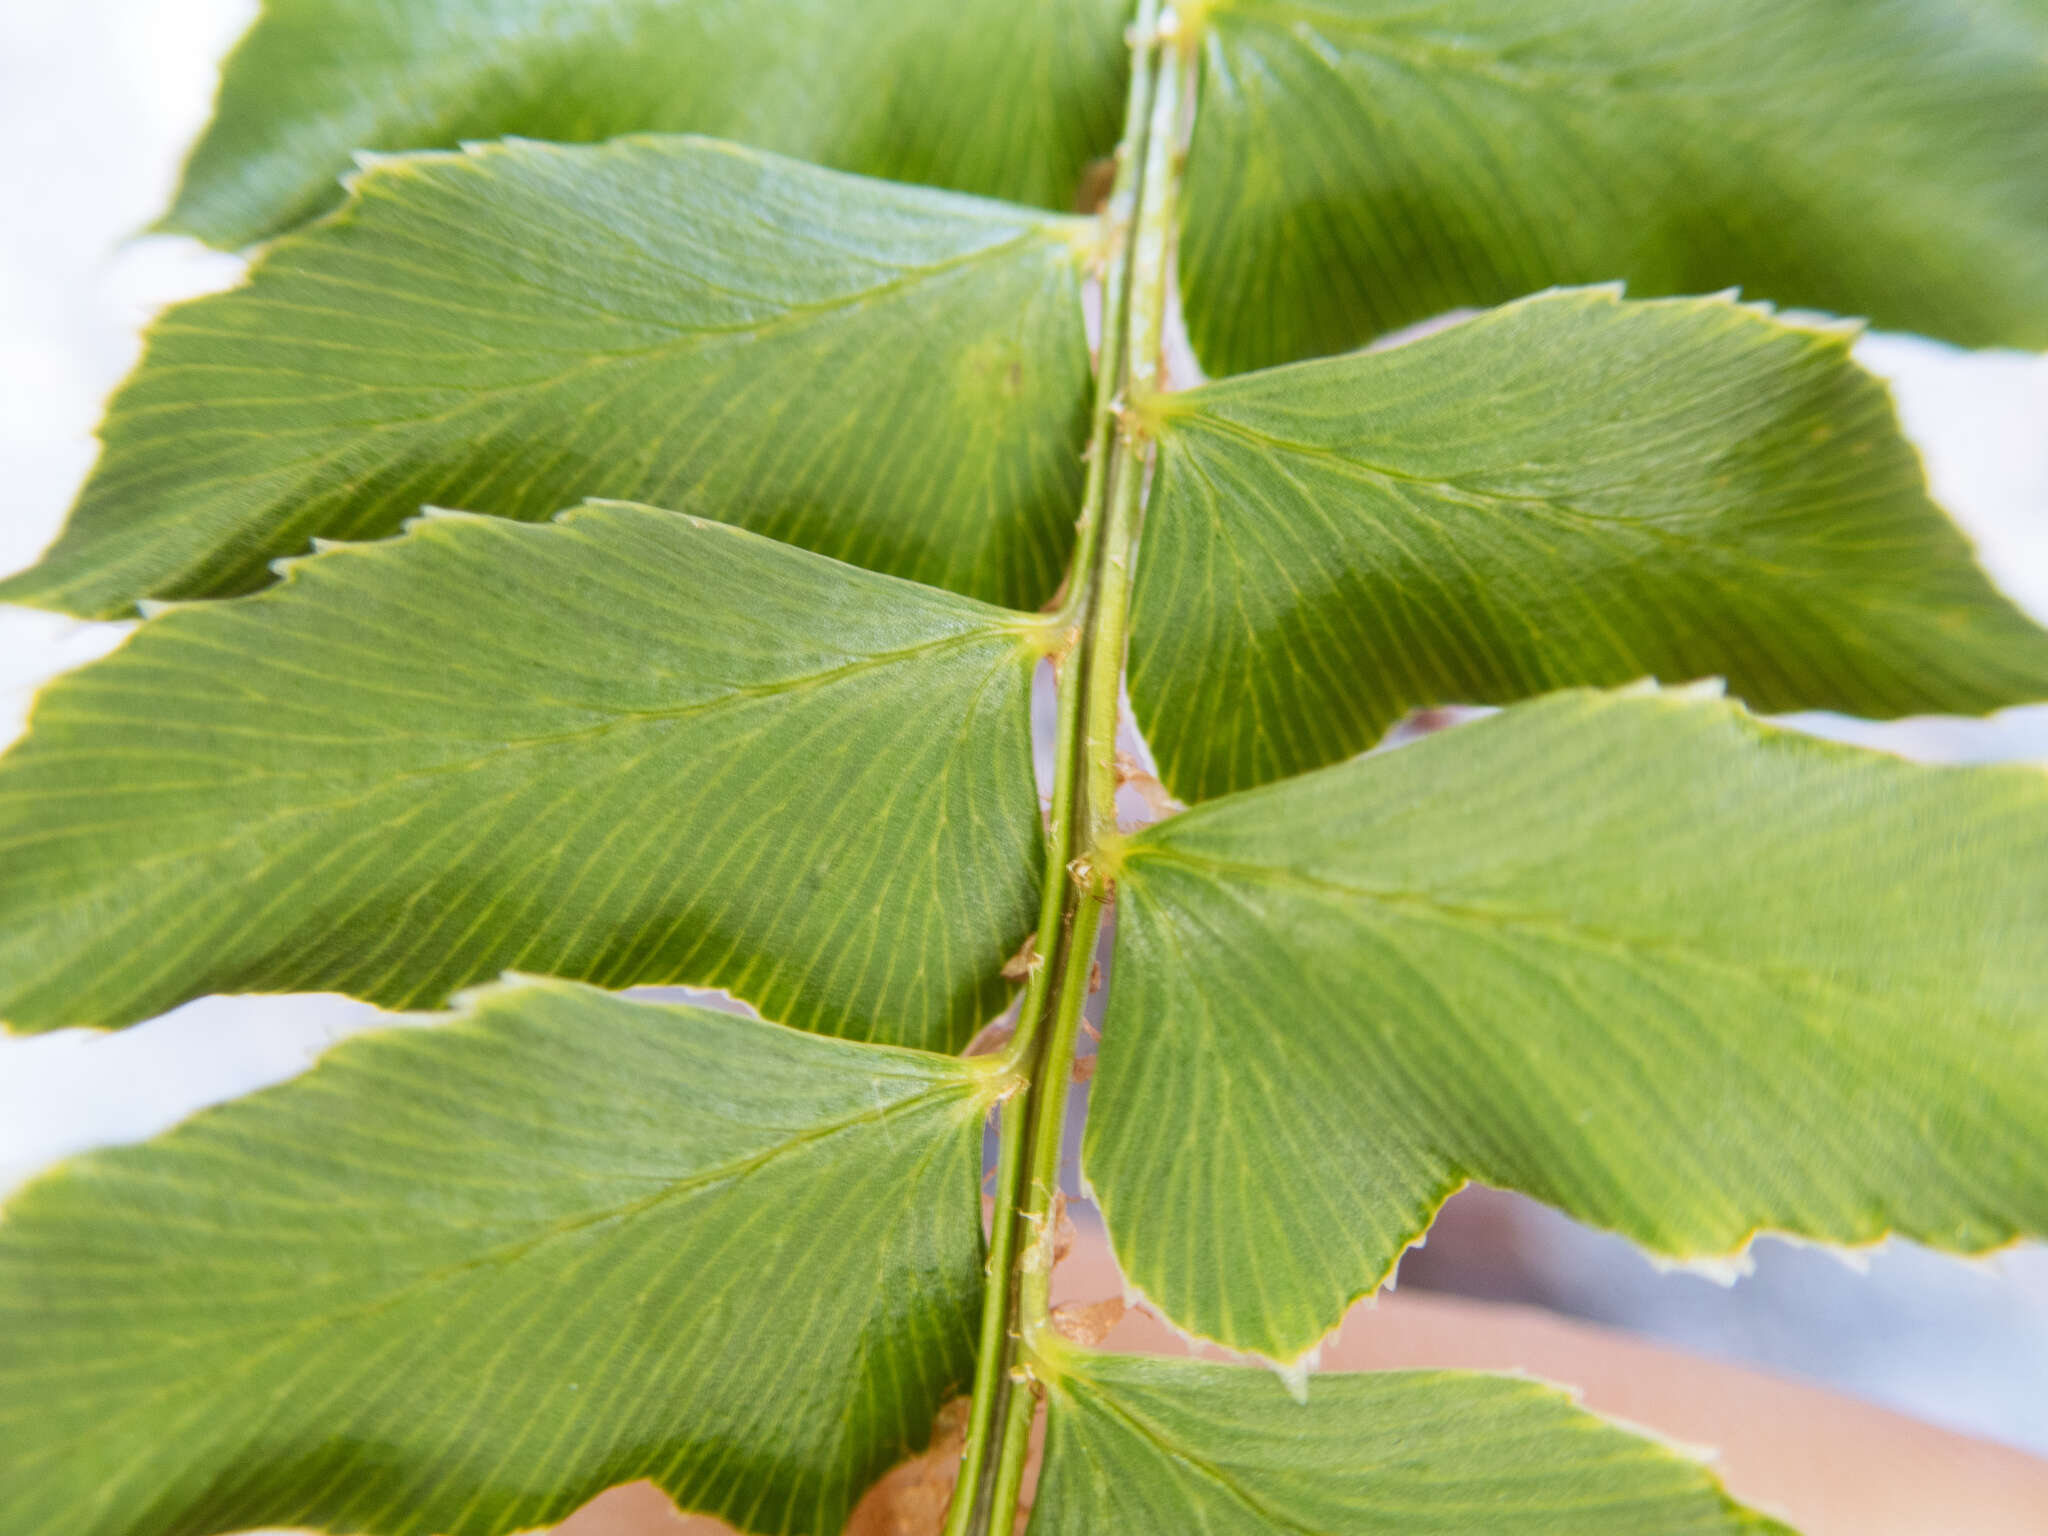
column 459, row 1280
column 1360, row 165
column 1005, row 100
column 1681, row 974
column 1572, row 489
column 663, row 320
column 1148, row 1447
column 627, row 746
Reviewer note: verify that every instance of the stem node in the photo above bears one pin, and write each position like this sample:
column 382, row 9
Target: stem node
column 1083, row 847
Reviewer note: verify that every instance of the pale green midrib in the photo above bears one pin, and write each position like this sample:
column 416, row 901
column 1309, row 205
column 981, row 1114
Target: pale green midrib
column 387, row 781
column 680, row 344
column 1050, row 231
column 1220, row 873
column 618, row 719
column 1173, row 1450
column 955, row 1084
column 1614, row 529
column 1425, row 57
column 1177, row 1451
column 1478, row 498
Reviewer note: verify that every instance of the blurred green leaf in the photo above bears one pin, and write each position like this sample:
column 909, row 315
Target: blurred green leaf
column 1004, row 100
column 1360, row 165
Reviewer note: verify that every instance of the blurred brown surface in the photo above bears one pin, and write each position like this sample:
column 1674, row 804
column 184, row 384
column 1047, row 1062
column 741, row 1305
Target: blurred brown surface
column 1829, row 1465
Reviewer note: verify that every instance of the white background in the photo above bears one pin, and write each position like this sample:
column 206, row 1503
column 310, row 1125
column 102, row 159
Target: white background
column 98, row 99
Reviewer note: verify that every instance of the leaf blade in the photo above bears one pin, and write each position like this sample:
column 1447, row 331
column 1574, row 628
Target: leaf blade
column 463, row 1278
column 1574, row 489
column 629, row 746
column 676, row 321
column 1012, row 104
column 1360, row 166
column 1682, row 975
column 1146, row 1445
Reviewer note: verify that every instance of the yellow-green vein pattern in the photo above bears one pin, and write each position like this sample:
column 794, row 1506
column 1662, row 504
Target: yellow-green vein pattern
column 1148, row 1447
column 979, row 95
column 1680, row 974
column 627, row 746
column 1359, row 165
column 885, row 374
column 459, row 1279
column 1573, row 489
